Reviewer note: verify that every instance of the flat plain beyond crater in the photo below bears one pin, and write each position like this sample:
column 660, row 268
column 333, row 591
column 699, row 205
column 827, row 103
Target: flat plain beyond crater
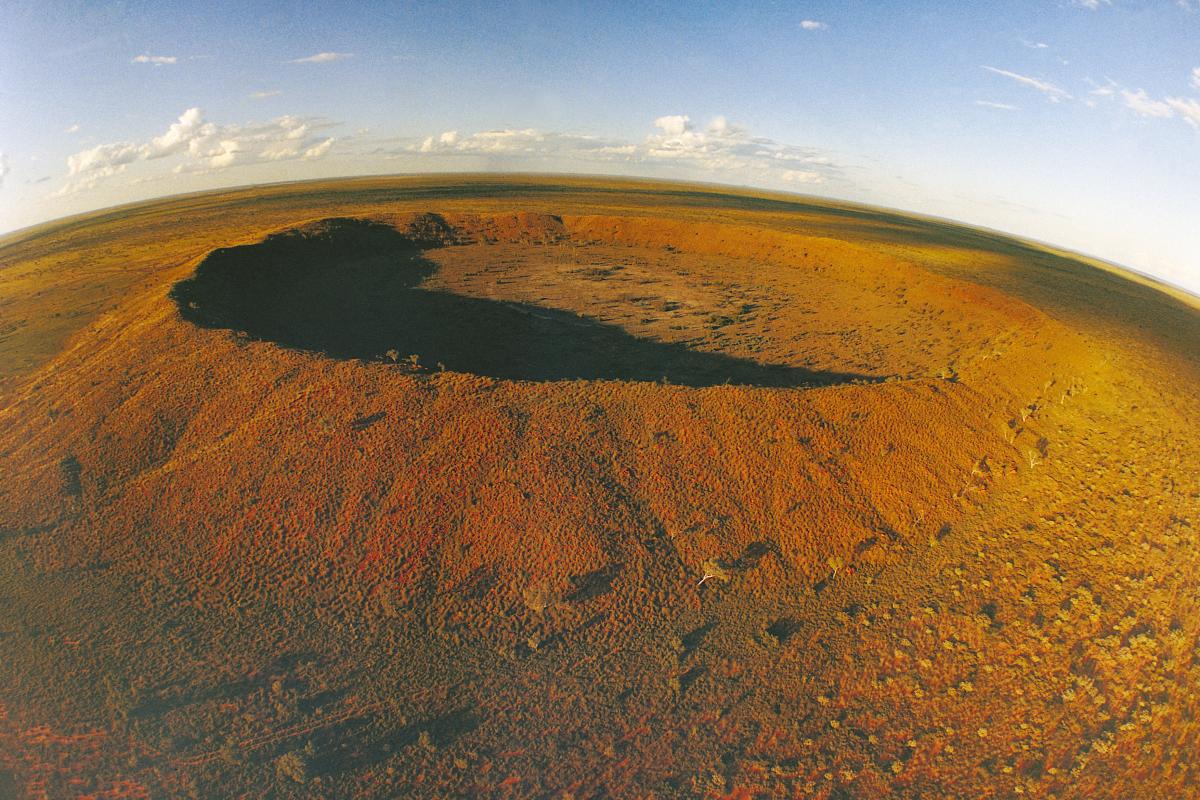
column 562, row 487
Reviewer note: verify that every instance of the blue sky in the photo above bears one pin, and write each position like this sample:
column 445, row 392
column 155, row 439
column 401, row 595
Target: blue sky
column 1074, row 122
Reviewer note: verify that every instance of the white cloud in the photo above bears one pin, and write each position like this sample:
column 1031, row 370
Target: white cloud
column 318, row 150
column 1091, row 5
column 281, row 151
column 802, row 176
column 265, row 94
column 72, row 128
column 675, row 145
column 813, row 25
column 3, row 166
column 1001, row 106
column 224, row 154
column 189, row 131
column 446, row 140
column 1141, row 103
column 719, row 125
column 1187, row 108
column 1034, row 45
column 718, row 147
column 1144, row 105
column 103, row 159
column 157, row 61
column 1053, row 93
column 204, row 146
column 674, row 125
column 322, row 58
column 617, row 151
column 1196, row 78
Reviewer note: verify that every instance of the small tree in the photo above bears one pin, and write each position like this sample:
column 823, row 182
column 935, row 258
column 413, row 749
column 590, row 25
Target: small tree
column 713, row 570
column 292, row 766
column 539, row 596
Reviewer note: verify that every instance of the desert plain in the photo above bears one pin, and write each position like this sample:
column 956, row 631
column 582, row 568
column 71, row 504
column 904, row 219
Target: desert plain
column 520, row 486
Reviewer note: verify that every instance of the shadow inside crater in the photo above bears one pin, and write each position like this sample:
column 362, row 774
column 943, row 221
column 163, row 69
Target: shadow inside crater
column 350, row 289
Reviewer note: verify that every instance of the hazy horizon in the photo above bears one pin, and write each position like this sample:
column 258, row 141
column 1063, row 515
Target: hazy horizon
column 1076, row 124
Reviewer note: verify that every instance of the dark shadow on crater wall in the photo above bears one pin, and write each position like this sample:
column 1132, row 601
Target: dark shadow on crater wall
column 349, row 289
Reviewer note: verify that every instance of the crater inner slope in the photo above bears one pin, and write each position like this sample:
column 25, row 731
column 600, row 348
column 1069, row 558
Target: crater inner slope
column 352, row 289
